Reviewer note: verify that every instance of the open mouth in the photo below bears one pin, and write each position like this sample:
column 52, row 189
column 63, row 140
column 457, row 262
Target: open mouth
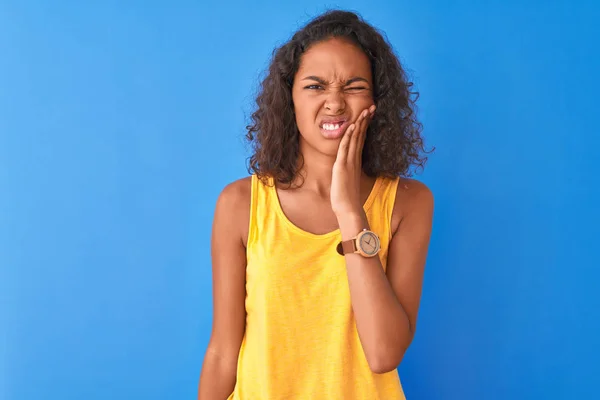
column 333, row 129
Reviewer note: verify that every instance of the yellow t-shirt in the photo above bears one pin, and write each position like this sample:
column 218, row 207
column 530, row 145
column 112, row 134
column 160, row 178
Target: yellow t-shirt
column 301, row 340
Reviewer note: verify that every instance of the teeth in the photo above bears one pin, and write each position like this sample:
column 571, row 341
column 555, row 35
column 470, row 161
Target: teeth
column 331, row 127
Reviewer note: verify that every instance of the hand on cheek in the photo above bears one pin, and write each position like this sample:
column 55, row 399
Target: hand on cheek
column 345, row 185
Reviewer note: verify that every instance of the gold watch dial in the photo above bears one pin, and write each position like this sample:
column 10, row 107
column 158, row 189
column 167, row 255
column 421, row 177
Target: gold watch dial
column 369, row 243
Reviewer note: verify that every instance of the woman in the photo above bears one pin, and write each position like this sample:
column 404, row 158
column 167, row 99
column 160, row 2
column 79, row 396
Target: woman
column 318, row 256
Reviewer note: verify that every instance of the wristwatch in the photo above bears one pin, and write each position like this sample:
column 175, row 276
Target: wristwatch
column 366, row 243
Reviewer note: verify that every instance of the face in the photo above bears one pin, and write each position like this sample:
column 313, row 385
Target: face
column 332, row 87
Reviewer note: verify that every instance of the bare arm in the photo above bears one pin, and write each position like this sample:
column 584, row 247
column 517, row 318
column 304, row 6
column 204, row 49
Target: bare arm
column 386, row 307
column 228, row 251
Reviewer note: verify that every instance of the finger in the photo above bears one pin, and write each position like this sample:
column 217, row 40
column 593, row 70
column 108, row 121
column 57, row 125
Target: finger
column 342, row 153
column 359, row 142
column 363, row 132
column 363, row 135
column 354, row 144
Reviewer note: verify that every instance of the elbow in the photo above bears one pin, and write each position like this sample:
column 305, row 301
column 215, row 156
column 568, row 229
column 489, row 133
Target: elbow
column 386, row 355
column 385, row 363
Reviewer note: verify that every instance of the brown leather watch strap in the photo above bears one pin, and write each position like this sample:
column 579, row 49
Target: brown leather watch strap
column 346, row 247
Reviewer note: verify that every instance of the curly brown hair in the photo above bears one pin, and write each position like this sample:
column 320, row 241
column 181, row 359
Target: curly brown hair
column 393, row 143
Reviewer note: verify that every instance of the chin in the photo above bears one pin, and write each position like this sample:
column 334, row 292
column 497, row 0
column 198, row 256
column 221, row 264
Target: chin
column 329, row 147
column 317, row 143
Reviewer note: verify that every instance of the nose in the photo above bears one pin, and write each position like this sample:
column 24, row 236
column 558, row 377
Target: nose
column 335, row 102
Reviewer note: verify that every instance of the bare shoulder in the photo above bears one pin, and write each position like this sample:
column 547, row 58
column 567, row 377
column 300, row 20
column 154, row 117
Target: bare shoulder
column 237, row 190
column 413, row 190
column 412, row 198
column 233, row 205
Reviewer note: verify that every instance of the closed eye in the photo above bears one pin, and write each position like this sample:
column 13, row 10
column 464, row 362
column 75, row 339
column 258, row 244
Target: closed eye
column 319, row 87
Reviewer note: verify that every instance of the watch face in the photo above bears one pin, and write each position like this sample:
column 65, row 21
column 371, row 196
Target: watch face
column 369, row 243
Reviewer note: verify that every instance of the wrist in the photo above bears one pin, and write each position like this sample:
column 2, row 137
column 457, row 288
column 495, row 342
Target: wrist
column 351, row 224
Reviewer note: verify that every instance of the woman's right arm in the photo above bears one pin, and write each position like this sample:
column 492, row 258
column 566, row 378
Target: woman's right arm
column 228, row 251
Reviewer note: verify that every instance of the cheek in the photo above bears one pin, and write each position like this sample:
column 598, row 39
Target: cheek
column 358, row 103
column 306, row 113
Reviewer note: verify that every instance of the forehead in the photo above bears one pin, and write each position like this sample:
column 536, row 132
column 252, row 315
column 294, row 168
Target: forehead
column 335, row 59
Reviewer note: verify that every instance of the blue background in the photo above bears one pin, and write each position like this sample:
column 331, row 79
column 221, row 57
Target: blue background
column 120, row 122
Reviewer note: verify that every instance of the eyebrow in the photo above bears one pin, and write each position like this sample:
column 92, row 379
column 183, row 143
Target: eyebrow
column 323, row 82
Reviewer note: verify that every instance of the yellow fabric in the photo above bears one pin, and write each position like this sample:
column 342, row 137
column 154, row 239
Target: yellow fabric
column 301, row 340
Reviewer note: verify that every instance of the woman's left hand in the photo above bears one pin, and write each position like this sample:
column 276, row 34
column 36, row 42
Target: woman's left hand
column 347, row 169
